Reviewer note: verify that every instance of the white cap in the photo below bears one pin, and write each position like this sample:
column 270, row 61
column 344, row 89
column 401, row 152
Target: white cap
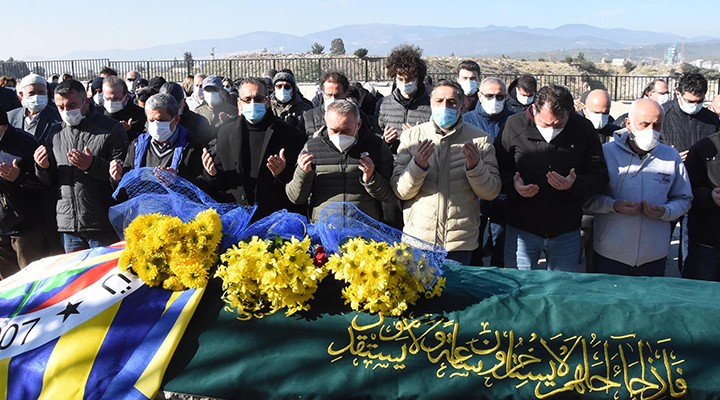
column 32, row 79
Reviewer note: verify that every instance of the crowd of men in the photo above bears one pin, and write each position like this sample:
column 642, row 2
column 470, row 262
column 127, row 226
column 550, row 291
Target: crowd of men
column 545, row 175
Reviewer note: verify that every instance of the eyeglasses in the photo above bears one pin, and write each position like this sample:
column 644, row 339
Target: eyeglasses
column 498, row 97
column 660, row 93
column 256, row 99
column 285, row 86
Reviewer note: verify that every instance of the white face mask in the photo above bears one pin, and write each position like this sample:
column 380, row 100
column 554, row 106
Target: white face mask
column 598, row 120
column 113, row 106
column 689, row 108
column 35, row 103
column 492, row 106
column 663, row 98
column 524, row 100
column 198, row 93
column 160, row 130
column 98, row 98
column 469, row 86
column 406, row 88
column 283, row 95
column 549, row 133
column 212, row 98
column 646, row 139
column 327, row 102
column 342, row 142
column 131, row 85
column 72, row 117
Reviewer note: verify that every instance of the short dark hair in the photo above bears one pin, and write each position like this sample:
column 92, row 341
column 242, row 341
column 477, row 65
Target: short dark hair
column 336, row 77
column 694, row 83
column 527, row 83
column 259, row 82
column 459, row 92
column 651, row 86
column 144, row 93
column 406, row 59
column 71, row 85
column 558, row 99
column 468, row 65
column 108, row 71
column 114, row 81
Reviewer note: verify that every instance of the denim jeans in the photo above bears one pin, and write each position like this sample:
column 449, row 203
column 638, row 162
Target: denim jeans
column 523, row 250
column 606, row 265
column 81, row 241
column 703, row 262
column 463, row 257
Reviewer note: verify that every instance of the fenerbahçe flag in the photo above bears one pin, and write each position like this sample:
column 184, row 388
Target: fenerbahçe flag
column 76, row 327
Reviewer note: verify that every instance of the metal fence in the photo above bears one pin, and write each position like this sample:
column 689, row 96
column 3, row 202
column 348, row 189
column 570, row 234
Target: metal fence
column 310, row 69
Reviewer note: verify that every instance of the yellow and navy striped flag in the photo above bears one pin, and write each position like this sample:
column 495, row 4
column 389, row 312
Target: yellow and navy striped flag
column 76, row 327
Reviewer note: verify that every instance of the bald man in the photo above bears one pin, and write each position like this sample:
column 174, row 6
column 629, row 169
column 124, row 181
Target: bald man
column 651, row 189
column 597, row 110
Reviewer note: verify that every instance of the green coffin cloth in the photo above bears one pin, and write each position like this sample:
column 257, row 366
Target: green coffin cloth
column 493, row 334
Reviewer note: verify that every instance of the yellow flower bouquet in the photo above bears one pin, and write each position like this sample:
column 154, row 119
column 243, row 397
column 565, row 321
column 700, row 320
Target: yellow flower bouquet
column 383, row 278
column 262, row 276
column 164, row 251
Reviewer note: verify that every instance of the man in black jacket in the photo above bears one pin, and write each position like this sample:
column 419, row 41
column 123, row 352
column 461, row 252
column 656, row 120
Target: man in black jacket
column 118, row 105
column 521, row 93
column 77, row 165
column 254, row 155
column 334, row 86
column 22, row 239
column 287, row 102
column 550, row 161
column 703, row 167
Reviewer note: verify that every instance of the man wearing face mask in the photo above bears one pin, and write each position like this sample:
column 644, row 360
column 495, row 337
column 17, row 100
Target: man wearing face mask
column 344, row 162
column 490, row 116
column 253, row 156
column 165, row 145
column 37, row 115
column 596, row 108
column 522, row 93
column 196, row 98
column 198, row 128
column 131, row 80
column 118, row 105
column 40, row 118
column 409, row 103
column 443, row 167
column 216, row 109
column 686, row 120
column 652, row 189
column 468, row 77
column 550, row 160
column 286, row 100
column 334, row 86
column 657, row 90
column 95, row 91
column 77, row 165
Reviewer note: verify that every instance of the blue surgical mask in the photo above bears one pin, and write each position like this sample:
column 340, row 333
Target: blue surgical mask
column 444, row 117
column 254, row 112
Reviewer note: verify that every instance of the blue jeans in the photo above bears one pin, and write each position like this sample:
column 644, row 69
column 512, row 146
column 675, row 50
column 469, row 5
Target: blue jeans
column 81, row 241
column 463, row 257
column 606, row 265
column 523, row 250
column 703, row 262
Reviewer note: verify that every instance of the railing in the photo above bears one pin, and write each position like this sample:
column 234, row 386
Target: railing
column 311, row 69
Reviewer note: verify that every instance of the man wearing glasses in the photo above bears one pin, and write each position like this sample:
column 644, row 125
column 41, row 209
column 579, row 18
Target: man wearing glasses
column 287, row 102
column 247, row 163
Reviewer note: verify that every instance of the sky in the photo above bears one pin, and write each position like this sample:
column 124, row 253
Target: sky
column 50, row 31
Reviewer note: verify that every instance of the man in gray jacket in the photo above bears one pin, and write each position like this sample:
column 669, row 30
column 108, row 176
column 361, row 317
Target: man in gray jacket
column 78, row 163
column 652, row 189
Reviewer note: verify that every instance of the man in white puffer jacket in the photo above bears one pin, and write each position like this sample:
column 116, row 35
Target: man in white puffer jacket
column 442, row 168
column 649, row 189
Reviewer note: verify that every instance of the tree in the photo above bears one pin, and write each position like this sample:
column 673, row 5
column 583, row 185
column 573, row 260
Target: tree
column 317, row 48
column 361, row 52
column 189, row 62
column 337, row 47
column 629, row 66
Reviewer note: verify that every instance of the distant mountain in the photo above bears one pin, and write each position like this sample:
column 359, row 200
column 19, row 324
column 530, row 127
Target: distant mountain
column 379, row 39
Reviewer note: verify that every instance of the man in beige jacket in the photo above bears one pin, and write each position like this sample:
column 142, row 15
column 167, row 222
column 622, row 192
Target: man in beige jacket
column 442, row 168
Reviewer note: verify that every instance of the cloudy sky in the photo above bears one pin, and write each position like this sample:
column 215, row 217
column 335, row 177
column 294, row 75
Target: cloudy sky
column 52, row 29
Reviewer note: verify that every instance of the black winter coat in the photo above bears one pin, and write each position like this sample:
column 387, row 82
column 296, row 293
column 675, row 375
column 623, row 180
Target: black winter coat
column 703, row 167
column 521, row 148
column 681, row 130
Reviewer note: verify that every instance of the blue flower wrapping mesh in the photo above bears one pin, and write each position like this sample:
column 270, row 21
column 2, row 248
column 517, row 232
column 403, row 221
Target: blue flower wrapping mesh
column 339, row 222
column 281, row 223
column 153, row 190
